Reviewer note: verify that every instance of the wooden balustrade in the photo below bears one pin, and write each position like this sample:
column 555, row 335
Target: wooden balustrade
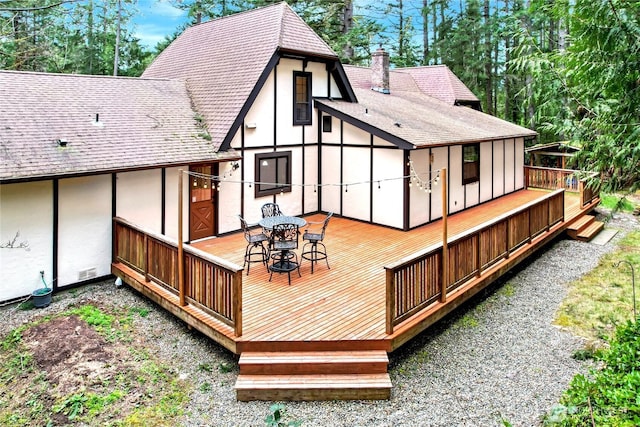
column 414, row 282
column 211, row 283
column 551, row 178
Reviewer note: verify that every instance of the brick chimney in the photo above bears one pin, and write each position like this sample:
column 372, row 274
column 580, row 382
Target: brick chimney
column 380, row 71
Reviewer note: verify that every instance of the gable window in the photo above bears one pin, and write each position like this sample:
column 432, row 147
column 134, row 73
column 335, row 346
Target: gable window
column 273, row 173
column 326, row 123
column 301, row 98
column 470, row 163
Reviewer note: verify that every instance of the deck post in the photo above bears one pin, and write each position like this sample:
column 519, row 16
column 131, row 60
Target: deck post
column 390, row 300
column 445, row 246
column 146, row 258
column 180, row 243
column 237, row 303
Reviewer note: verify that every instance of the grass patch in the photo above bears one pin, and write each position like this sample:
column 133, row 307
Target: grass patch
column 38, row 389
column 602, row 299
column 616, row 202
column 468, row 321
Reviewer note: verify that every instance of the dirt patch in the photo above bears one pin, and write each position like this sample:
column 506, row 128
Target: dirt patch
column 64, row 370
column 71, row 353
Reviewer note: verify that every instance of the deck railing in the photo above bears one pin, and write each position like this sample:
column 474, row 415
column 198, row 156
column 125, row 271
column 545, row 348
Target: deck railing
column 415, row 282
column 210, row 283
column 552, row 179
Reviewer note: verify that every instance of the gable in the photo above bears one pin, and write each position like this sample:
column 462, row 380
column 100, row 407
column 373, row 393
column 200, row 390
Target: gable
column 226, row 61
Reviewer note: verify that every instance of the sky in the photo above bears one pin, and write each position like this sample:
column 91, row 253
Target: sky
column 155, row 20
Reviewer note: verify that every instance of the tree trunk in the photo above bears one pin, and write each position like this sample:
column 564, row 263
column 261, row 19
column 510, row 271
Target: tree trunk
column 116, row 53
column 488, row 63
column 425, row 32
column 347, row 25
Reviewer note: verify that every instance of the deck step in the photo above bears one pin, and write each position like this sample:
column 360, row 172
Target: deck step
column 313, row 387
column 317, row 362
column 589, row 232
column 579, row 225
column 313, row 375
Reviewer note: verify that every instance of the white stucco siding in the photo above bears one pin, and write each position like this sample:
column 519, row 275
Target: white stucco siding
column 509, row 165
column 419, row 205
column 486, row 171
column 355, row 136
column 287, row 133
column 332, row 137
column 171, row 200
column 331, row 174
column 472, row 196
column 84, row 228
column 26, row 209
column 440, row 160
column 320, row 82
column 519, row 165
column 356, row 177
column 311, row 177
column 456, row 189
column 229, row 196
column 498, row 168
column 388, row 196
column 335, row 90
column 139, row 198
column 259, row 120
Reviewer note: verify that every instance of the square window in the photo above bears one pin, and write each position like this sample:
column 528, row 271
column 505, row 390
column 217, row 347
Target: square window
column 326, row 123
column 273, row 173
column 470, row 163
column 301, row 98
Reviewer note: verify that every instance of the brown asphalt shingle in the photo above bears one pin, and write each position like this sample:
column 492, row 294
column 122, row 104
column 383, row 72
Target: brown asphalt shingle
column 142, row 123
column 437, row 81
column 222, row 60
column 422, row 121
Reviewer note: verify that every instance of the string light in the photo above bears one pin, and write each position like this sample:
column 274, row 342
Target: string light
column 424, row 181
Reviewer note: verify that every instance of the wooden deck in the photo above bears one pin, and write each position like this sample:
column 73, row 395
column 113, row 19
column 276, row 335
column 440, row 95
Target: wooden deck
column 345, row 308
column 341, row 307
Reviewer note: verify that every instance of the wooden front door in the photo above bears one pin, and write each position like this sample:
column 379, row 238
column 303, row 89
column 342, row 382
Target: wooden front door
column 201, row 216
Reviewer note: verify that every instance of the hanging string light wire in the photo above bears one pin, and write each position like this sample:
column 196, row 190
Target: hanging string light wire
column 424, row 181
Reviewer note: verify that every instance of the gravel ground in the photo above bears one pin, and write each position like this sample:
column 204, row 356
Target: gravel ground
column 497, row 357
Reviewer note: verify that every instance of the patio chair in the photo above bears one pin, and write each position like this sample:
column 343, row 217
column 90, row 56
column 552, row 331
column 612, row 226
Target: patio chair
column 255, row 251
column 271, row 209
column 285, row 241
column 314, row 250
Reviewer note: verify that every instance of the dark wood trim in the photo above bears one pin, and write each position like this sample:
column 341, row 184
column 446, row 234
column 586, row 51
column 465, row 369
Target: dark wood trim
column 319, row 171
column 226, row 158
column 215, row 170
column 430, row 153
column 163, row 202
column 371, row 151
column 340, row 77
column 271, row 66
column 493, row 178
column 341, row 162
column 242, row 171
column 504, row 167
column 274, row 146
column 515, row 168
column 379, row 147
column 449, row 174
column 56, row 235
column 406, row 193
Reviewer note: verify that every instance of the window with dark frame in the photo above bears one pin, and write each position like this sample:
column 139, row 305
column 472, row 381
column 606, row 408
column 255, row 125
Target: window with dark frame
column 301, row 98
column 273, row 173
column 470, row 163
column 326, row 123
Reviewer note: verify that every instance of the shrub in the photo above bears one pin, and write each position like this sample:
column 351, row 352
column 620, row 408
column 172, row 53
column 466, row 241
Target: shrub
column 608, row 396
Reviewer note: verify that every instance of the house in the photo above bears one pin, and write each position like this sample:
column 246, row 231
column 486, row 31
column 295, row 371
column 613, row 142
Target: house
column 305, row 131
column 98, row 173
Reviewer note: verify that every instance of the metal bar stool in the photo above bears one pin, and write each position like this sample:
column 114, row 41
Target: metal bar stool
column 255, row 251
column 314, row 250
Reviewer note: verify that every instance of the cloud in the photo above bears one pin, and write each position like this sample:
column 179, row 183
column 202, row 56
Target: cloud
column 164, row 8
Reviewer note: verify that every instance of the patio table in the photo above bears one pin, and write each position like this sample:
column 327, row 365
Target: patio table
column 283, row 261
column 270, row 221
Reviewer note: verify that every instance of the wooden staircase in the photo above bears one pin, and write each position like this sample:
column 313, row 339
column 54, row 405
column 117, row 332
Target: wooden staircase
column 318, row 375
column 585, row 228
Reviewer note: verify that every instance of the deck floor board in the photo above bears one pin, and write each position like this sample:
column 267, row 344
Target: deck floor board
column 347, row 301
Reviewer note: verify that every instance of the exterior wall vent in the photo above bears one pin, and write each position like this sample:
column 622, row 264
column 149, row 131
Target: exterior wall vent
column 87, row 274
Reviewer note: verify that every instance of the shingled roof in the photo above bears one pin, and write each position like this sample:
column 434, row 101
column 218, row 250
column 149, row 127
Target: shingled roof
column 107, row 124
column 437, row 81
column 223, row 60
column 415, row 120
